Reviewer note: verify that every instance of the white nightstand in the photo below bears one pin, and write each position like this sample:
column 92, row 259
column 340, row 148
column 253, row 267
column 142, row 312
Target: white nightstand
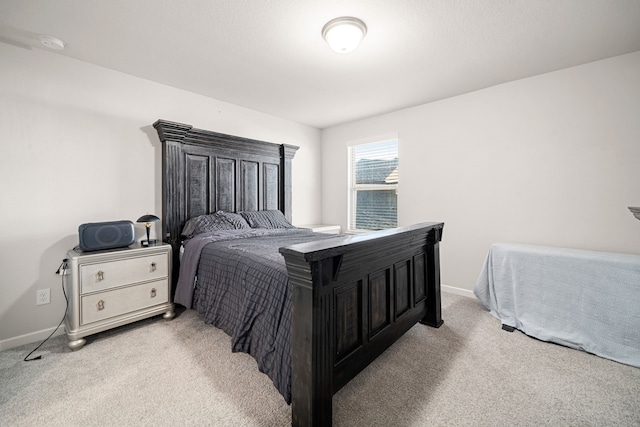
column 111, row 288
column 322, row 228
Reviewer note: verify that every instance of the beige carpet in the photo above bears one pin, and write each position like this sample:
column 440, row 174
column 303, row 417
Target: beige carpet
column 181, row 372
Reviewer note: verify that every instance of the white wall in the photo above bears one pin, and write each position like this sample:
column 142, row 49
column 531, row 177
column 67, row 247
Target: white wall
column 550, row 160
column 77, row 146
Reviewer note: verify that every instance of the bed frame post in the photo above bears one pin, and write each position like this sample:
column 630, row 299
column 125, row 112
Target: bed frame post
column 311, row 342
column 172, row 137
column 287, row 154
column 434, row 312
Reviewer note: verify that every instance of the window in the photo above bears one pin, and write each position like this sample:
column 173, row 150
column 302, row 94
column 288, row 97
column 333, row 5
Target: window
column 373, row 195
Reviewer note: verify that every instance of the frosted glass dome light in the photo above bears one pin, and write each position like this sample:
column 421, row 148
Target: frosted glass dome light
column 344, row 34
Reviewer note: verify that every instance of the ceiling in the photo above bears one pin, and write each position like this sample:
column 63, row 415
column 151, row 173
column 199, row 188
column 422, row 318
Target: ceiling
column 269, row 55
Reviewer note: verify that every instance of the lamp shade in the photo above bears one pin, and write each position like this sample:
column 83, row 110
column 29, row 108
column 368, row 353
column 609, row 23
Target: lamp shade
column 148, row 218
column 344, row 34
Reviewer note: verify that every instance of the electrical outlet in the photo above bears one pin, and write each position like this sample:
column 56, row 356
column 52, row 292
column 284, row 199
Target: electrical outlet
column 43, row 296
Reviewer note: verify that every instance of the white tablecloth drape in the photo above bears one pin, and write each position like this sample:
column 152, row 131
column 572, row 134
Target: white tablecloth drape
column 581, row 299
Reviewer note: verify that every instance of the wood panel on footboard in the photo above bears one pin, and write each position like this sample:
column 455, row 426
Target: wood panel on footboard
column 352, row 298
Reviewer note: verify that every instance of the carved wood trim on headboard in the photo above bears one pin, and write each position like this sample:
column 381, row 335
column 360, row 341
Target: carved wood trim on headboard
column 205, row 171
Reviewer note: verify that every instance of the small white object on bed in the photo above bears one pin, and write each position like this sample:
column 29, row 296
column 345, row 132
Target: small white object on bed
column 581, row 299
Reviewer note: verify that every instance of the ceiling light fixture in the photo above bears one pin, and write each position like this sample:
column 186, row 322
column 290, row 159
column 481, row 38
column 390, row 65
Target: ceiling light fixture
column 51, row 42
column 344, row 34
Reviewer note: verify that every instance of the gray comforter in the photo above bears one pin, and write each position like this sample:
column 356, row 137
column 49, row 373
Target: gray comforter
column 242, row 288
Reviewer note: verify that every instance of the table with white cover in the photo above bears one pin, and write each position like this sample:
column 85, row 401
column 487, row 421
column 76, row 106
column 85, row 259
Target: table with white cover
column 581, row 299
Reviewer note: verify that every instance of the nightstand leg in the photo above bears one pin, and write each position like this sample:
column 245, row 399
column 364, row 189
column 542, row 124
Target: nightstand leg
column 169, row 314
column 76, row 344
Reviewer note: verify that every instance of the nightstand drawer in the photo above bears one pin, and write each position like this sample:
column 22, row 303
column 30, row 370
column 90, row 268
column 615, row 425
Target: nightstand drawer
column 105, row 275
column 107, row 304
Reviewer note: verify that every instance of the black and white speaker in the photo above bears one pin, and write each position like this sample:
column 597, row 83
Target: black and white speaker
column 97, row 236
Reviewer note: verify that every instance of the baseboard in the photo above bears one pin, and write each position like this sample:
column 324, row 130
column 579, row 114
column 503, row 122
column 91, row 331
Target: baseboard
column 33, row 337
column 39, row 336
column 457, row 291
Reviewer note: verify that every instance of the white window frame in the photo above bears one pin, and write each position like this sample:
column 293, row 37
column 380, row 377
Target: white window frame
column 354, row 188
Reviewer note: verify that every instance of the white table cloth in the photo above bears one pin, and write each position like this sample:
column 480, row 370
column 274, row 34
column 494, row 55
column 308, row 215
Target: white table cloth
column 581, row 299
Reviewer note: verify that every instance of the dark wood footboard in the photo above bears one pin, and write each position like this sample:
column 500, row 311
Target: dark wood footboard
column 352, row 298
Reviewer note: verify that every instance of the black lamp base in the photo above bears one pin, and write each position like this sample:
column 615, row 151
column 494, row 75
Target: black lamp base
column 148, row 242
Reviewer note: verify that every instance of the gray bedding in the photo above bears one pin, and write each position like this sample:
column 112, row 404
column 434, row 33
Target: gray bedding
column 242, row 288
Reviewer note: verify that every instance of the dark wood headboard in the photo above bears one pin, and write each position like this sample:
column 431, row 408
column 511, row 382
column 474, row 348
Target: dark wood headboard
column 204, row 171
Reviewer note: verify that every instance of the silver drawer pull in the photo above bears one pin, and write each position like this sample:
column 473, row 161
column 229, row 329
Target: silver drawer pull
column 152, row 268
column 100, row 275
column 100, row 305
column 153, row 292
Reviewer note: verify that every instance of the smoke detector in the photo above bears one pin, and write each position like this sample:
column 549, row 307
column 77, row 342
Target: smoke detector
column 52, row 42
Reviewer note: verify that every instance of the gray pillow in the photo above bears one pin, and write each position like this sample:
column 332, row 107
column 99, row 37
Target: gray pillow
column 235, row 219
column 266, row 219
column 206, row 223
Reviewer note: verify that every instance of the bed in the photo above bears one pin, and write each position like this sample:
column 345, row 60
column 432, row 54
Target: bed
column 586, row 300
column 350, row 297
